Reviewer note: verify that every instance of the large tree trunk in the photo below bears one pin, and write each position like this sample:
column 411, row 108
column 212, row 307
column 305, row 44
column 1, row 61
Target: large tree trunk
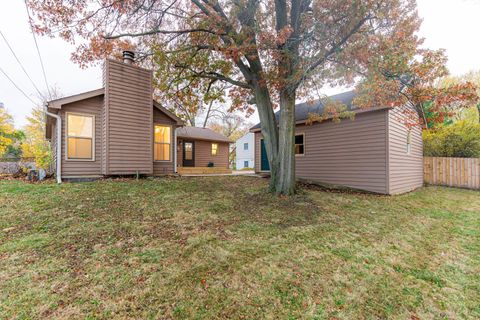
column 286, row 151
column 269, row 131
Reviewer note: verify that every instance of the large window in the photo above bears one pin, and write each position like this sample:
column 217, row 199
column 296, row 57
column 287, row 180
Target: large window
column 214, row 149
column 80, row 136
column 162, row 141
column 300, row 144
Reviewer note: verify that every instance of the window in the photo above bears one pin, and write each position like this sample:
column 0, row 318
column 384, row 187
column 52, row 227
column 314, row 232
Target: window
column 299, row 144
column 245, row 146
column 214, row 149
column 162, row 143
column 188, row 150
column 409, row 142
column 80, row 136
column 245, row 164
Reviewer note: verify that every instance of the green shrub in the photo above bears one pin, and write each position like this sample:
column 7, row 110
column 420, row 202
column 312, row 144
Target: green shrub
column 460, row 139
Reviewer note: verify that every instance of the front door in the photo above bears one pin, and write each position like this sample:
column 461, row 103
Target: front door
column 264, row 165
column 188, row 153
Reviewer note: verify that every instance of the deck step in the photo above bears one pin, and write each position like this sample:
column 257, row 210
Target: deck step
column 203, row 170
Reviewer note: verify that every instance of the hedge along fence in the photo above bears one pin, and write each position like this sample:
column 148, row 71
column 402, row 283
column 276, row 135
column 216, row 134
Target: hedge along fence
column 454, row 172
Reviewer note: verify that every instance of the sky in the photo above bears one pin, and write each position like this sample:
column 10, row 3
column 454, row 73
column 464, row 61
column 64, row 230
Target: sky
column 449, row 24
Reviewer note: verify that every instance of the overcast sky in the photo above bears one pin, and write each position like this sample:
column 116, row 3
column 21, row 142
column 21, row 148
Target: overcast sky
column 449, row 24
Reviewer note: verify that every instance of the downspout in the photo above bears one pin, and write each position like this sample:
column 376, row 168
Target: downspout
column 175, row 150
column 58, row 170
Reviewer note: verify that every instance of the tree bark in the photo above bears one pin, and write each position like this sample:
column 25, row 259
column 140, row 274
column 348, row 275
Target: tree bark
column 269, row 131
column 285, row 184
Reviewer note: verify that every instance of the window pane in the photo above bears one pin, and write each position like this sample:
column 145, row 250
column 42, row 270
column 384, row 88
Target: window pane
column 245, row 146
column 299, row 149
column 80, row 126
column 79, row 148
column 245, row 164
column 162, row 152
column 162, row 134
column 188, row 151
column 214, row 149
column 299, row 139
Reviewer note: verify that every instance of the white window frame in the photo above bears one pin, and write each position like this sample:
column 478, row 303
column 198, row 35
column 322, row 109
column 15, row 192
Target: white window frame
column 171, row 142
column 93, row 136
column 211, row 149
column 304, row 144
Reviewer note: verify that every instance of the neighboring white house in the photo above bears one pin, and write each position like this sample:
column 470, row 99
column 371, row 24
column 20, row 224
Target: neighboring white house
column 244, row 149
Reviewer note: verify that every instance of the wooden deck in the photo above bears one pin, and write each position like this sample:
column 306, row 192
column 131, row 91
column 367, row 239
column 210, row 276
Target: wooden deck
column 202, row 170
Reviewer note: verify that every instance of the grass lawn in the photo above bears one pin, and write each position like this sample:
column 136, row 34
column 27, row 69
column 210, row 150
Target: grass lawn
column 221, row 247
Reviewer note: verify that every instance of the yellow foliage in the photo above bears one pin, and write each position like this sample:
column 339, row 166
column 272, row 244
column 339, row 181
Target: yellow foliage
column 35, row 145
column 6, row 130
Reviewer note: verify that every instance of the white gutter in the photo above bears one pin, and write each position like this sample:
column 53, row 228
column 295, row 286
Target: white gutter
column 175, row 150
column 58, row 161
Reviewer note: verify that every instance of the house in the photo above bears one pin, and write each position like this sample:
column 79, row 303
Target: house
column 244, row 150
column 121, row 130
column 375, row 152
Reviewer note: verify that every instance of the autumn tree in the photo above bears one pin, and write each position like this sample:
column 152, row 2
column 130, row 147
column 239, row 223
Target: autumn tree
column 7, row 131
column 35, row 146
column 271, row 52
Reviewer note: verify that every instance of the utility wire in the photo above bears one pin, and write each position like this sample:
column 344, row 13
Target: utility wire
column 38, row 50
column 21, row 65
column 23, row 92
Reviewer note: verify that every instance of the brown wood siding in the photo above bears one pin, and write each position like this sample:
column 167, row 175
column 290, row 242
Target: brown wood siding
column 203, row 153
column 73, row 168
column 164, row 167
column 129, row 119
column 405, row 170
column 349, row 153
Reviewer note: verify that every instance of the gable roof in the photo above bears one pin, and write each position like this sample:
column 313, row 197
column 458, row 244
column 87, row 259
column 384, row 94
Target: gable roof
column 303, row 109
column 58, row 103
column 168, row 113
column 201, row 134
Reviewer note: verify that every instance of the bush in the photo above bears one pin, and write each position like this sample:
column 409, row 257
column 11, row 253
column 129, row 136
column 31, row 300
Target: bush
column 460, row 139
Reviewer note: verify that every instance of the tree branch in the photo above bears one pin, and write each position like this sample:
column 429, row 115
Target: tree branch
column 157, row 31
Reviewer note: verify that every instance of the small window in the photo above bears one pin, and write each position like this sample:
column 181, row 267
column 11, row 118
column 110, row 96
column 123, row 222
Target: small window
column 245, row 164
column 299, row 144
column 80, row 135
column 409, row 142
column 245, row 146
column 162, row 139
column 214, row 149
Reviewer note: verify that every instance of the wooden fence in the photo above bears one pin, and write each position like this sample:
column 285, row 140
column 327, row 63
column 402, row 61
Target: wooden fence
column 454, row 172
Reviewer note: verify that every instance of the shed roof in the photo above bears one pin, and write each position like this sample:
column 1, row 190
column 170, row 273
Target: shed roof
column 201, row 134
column 303, row 109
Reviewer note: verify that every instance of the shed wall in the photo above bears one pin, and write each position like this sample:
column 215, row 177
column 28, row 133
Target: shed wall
column 349, row 153
column 405, row 169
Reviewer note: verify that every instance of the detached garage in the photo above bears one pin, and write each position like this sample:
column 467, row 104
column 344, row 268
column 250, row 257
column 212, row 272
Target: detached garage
column 375, row 152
